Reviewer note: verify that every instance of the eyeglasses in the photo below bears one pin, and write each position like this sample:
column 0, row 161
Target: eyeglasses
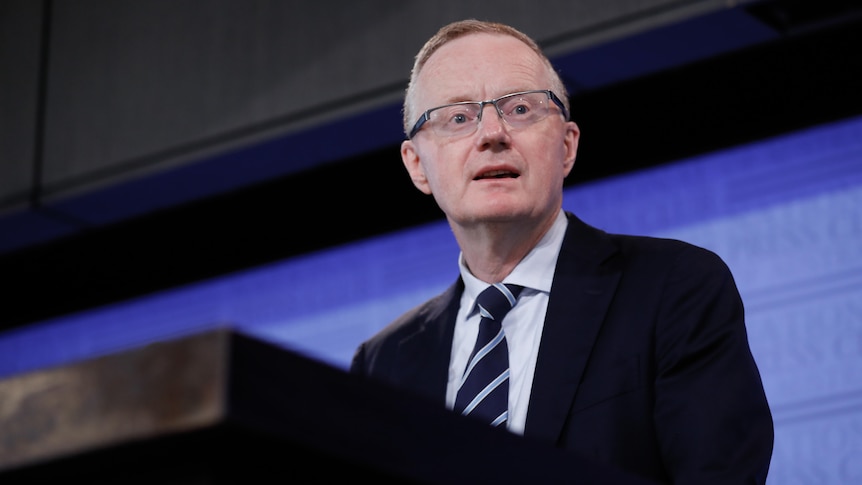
column 519, row 110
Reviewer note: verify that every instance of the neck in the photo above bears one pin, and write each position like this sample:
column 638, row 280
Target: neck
column 493, row 249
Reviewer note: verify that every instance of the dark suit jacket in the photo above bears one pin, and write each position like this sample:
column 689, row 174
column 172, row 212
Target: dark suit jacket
column 644, row 362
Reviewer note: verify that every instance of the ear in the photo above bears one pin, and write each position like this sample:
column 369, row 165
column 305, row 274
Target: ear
column 412, row 163
column 570, row 142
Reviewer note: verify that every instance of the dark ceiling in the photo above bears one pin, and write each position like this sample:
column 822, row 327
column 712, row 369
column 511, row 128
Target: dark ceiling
column 807, row 73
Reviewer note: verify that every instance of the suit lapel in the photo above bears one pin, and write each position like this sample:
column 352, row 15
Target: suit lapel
column 584, row 282
column 422, row 363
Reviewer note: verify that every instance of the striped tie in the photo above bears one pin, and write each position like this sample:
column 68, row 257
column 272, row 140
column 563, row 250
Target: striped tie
column 484, row 390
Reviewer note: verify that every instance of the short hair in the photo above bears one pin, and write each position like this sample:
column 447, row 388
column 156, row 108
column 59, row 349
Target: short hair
column 462, row 28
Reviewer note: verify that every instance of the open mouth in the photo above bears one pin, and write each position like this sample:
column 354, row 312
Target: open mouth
column 497, row 174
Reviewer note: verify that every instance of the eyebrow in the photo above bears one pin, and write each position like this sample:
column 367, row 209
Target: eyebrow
column 457, row 99
column 463, row 99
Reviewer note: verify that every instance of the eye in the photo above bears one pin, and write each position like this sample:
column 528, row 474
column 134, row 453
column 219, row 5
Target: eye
column 456, row 114
column 520, row 109
column 458, row 118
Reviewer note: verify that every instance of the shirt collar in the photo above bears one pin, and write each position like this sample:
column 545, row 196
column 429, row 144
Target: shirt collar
column 535, row 271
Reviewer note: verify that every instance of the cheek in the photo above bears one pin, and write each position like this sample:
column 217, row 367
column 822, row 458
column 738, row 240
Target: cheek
column 436, row 171
column 557, row 155
column 436, row 180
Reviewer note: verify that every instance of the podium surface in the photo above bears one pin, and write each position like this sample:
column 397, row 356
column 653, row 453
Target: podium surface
column 220, row 407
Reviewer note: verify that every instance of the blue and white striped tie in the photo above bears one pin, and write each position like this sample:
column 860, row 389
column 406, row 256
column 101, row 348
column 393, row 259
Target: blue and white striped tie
column 484, row 390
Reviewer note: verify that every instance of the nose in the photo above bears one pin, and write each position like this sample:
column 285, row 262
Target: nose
column 492, row 129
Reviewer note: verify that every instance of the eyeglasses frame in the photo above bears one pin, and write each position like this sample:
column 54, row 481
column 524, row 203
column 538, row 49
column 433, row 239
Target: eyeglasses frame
column 426, row 116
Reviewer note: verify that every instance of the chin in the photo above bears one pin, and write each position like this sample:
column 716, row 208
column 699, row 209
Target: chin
column 501, row 214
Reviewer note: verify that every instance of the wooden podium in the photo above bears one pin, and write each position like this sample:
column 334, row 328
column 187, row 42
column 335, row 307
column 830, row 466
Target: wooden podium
column 223, row 408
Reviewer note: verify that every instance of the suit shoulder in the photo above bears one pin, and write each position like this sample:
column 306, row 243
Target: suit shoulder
column 665, row 249
column 415, row 318
column 407, row 322
column 375, row 355
column 650, row 250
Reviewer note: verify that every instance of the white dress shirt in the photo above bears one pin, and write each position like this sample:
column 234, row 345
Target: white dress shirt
column 522, row 325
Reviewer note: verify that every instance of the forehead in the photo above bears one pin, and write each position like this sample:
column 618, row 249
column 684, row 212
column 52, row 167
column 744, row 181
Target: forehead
column 480, row 66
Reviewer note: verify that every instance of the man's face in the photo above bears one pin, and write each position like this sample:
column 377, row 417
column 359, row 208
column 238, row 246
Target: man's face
column 464, row 173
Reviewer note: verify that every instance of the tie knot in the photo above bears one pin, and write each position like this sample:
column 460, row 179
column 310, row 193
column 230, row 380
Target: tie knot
column 496, row 300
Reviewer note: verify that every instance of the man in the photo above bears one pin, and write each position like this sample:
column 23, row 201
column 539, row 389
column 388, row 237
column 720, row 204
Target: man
column 630, row 351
